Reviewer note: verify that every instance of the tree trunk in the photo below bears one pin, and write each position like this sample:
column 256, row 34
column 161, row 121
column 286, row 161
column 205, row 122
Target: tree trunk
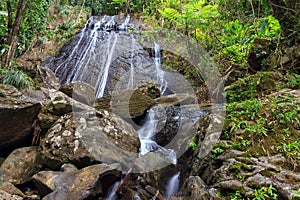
column 12, row 38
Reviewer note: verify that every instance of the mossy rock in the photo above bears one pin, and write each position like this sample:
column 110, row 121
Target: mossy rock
column 254, row 86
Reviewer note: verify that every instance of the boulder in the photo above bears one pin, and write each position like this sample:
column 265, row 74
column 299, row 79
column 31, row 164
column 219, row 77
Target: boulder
column 194, row 188
column 20, row 165
column 56, row 105
column 87, row 183
column 17, row 117
column 130, row 103
column 42, row 76
column 11, row 189
column 90, row 137
column 79, row 91
column 5, row 195
column 176, row 99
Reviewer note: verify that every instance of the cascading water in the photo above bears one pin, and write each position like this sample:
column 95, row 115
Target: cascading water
column 101, row 83
column 146, row 135
column 112, row 192
column 100, row 44
column 172, row 186
column 159, row 72
column 93, row 53
column 131, row 76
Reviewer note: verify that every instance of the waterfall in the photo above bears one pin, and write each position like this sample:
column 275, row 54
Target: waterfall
column 79, row 65
column 159, row 72
column 101, row 83
column 146, row 135
column 124, row 25
column 112, row 193
column 131, row 75
column 172, row 186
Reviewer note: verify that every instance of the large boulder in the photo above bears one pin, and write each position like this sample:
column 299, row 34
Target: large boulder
column 90, row 137
column 20, row 165
column 87, row 183
column 79, row 91
column 130, row 103
column 17, row 117
column 57, row 104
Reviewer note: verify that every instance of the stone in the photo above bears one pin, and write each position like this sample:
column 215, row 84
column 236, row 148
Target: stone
column 68, row 167
column 6, row 196
column 42, row 76
column 90, row 137
column 20, row 165
column 255, row 173
column 11, row 189
column 79, row 91
column 57, row 104
column 195, row 188
column 86, row 183
column 130, row 103
column 176, row 99
column 16, row 119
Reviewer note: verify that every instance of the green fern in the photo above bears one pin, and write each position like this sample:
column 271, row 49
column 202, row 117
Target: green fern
column 170, row 14
column 15, row 77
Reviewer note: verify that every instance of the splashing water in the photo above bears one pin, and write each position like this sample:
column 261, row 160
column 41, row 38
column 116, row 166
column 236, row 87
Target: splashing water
column 172, row 186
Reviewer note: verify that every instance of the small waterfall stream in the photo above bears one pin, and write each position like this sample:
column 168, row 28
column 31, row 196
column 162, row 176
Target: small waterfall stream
column 112, row 193
column 93, row 67
column 172, row 186
column 159, row 72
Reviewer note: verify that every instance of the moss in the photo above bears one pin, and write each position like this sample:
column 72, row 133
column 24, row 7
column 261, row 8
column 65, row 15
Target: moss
column 239, row 167
column 255, row 86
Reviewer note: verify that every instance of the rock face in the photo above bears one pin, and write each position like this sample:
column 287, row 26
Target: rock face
column 88, row 183
column 17, row 117
column 90, row 137
column 256, row 173
column 7, row 196
column 20, row 165
column 79, row 91
column 130, row 103
column 43, row 76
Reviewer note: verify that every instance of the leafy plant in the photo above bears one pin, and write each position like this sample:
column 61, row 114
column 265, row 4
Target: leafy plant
column 265, row 192
column 192, row 144
column 293, row 80
column 296, row 195
column 15, row 77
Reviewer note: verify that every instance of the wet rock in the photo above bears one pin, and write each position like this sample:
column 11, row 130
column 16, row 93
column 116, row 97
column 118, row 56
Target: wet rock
column 20, row 165
column 11, row 189
column 79, row 91
column 16, row 119
column 87, row 183
column 7, row 196
column 90, row 137
column 208, row 133
column 130, row 103
column 176, row 99
column 150, row 162
column 195, row 188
